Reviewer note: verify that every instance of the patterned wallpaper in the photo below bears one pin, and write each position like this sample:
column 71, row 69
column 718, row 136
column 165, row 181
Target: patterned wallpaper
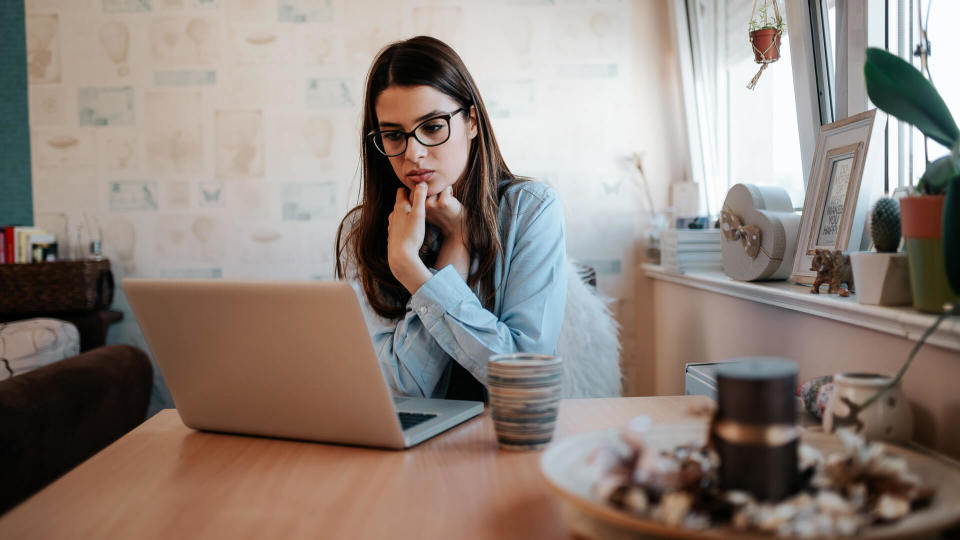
column 219, row 138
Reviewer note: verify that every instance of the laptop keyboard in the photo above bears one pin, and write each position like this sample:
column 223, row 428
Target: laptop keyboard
column 408, row 419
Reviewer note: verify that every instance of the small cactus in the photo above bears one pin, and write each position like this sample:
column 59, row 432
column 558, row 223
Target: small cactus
column 885, row 225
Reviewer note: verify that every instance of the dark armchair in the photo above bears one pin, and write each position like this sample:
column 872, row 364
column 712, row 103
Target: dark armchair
column 55, row 417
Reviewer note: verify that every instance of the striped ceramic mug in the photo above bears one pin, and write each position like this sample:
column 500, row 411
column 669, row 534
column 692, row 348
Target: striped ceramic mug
column 525, row 392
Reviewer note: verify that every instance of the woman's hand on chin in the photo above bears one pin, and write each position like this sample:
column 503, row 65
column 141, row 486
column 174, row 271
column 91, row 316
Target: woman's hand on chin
column 406, row 226
column 446, row 212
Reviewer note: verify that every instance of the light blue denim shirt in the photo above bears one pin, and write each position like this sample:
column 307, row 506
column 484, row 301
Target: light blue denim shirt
column 446, row 322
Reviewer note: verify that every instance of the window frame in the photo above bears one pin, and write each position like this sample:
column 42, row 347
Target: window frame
column 824, row 65
column 811, row 83
column 807, row 96
column 701, row 166
column 859, row 24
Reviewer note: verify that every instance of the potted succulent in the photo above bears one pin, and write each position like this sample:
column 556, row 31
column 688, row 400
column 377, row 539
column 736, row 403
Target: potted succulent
column 883, row 277
column 931, row 217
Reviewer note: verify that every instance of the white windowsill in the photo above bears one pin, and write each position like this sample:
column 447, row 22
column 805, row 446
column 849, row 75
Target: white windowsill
column 900, row 321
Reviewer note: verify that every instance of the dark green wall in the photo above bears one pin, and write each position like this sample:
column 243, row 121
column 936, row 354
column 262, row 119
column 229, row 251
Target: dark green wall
column 16, row 194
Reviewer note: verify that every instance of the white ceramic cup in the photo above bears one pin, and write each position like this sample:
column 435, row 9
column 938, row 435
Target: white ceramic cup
column 888, row 418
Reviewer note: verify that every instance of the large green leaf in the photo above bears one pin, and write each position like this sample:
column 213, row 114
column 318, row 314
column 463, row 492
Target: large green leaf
column 900, row 89
column 951, row 235
column 939, row 174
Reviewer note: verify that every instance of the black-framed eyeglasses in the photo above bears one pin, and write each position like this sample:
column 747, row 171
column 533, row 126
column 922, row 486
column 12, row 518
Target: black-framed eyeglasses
column 433, row 131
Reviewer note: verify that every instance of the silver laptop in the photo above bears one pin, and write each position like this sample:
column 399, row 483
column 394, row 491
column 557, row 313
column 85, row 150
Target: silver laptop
column 279, row 359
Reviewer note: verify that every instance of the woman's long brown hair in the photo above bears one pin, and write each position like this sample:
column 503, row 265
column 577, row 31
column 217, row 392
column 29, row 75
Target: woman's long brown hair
column 362, row 235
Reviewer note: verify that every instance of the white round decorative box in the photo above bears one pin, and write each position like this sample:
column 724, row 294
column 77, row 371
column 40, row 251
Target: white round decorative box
column 759, row 233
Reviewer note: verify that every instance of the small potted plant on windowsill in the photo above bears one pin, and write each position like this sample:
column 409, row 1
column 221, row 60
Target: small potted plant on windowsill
column 882, row 277
column 931, row 217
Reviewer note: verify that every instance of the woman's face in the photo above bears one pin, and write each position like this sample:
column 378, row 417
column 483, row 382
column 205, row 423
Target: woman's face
column 406, row 107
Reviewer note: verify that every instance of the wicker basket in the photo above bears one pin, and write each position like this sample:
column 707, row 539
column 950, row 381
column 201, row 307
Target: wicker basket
column 55, row 287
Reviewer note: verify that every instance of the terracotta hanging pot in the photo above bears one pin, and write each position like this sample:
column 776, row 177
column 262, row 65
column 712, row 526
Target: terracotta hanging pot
column 765, row 32
column 766, row 45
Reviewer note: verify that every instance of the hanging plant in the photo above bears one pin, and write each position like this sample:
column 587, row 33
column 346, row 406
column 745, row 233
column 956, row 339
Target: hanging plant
column 765, row 33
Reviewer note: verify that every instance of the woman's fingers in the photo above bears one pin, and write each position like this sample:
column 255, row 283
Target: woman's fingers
column 419, row 199
column 441, row 200
column 405, row 226
column 444, row 210
column 403, row 201
column 449, row 200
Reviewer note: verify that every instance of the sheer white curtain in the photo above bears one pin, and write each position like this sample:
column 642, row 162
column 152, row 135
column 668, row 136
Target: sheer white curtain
column 746, row 135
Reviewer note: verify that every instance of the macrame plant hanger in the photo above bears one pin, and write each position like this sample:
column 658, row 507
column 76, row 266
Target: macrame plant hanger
column 762, row 56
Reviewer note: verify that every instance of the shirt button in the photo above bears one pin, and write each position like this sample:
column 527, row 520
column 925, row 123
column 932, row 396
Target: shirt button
column 423, row 310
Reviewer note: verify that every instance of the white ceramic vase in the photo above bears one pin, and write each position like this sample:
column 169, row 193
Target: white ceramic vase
column 881, row 278
column 888, row 418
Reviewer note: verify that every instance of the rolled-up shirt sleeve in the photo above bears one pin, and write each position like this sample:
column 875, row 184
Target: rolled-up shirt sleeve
column 412, row 362
column 533, row 297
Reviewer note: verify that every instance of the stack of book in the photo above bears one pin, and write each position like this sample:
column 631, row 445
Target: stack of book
column 683, row 250
column 26, row 245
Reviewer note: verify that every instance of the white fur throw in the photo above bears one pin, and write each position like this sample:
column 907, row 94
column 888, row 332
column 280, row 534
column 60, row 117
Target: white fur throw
column 589, row 342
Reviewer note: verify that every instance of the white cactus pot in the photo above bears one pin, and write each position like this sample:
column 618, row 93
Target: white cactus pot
column 881, row 278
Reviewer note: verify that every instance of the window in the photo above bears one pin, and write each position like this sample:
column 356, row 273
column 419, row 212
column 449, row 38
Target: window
column 945, row 47
column 823, row 24
column 738, row 135
column 746, row 135
column 904, row 22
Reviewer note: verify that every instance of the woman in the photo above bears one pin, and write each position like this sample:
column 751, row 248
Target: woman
column 458, row 258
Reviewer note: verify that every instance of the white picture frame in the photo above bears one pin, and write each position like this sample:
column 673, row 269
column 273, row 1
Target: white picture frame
column 836, row 202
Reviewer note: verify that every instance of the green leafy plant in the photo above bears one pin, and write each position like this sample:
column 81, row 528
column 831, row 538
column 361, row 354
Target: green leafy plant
column 764, row 20
column 900, row 90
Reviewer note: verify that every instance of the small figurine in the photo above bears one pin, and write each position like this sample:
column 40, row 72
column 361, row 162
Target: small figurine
column 833, row 268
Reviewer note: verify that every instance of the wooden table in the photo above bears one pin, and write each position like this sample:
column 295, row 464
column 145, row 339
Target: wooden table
column 164, row 480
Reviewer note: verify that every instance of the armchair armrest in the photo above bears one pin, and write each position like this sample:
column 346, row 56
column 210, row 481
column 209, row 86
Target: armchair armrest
column 55, row 417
